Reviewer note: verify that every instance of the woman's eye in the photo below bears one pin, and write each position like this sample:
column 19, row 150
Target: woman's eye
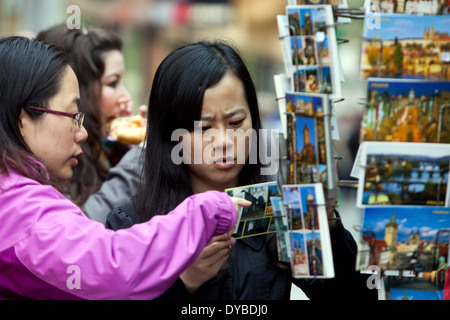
column 113, row 84
column 236, row 123
column 206, row 128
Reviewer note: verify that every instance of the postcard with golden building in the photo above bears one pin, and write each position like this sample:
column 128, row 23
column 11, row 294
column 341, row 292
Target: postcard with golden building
column 406, row 110
column 406, row 46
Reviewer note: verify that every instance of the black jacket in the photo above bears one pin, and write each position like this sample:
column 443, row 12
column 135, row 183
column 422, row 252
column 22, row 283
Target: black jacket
column 249, row 273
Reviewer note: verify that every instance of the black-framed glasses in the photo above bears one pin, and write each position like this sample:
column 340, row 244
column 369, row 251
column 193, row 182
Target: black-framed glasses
column 78, row 117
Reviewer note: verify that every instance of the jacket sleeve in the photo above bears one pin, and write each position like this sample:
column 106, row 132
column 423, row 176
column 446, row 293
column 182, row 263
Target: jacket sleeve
column 136, row 263
column 118, row 187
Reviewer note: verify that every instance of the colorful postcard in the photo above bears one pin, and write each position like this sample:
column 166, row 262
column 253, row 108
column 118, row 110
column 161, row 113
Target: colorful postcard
column 402, row 173
column 406, row 110
column 310, row 49
column 412, row 238
column 406, row 46
column 427, row 287
column 310, row 242
column 258, row 218
column 306, row 141
column 282, row 228
column 431, row 7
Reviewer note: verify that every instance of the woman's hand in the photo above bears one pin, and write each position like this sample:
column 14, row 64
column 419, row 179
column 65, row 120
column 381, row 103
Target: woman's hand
column 212, row 257
column 209, row 262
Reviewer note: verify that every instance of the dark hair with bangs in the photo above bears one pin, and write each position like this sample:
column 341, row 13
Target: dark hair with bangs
column 30, row 74
column 175, row 102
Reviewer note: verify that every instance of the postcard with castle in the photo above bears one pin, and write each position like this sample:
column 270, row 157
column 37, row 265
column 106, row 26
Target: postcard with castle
column 406, row 110
column 309, row 49
column 258, row 218
column 310, row 243
column 407, row 46
column 403, row 173
column 412, row 238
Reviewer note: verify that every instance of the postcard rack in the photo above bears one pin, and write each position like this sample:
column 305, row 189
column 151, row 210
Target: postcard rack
column 332, row 183
column 291, row 171
column 331, row 95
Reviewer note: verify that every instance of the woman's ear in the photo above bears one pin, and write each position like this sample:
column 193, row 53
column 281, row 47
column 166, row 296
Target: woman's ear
column 24, row 122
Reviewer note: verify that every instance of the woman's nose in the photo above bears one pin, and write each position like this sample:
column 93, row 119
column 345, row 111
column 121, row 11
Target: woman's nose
column 125, row 102
column 81, row 134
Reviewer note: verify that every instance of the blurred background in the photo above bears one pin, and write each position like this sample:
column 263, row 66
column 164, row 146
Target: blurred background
column 151, row 29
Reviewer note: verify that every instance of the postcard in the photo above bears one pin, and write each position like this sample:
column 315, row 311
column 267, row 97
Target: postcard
column 258, row 218
column 310, row 243
column 414, row 238
column 309, row 106
column 427, row 287
column 308, row 123
column 403, row 173
column 432, row 7
column 406, row 110
column 310, row 49
column 282, row 228
column 406, row 46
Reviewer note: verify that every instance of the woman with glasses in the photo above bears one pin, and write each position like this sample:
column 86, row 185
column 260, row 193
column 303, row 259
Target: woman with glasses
column 96, row 55
column 48, row 248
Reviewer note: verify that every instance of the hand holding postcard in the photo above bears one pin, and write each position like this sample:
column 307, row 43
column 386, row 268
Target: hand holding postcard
column 256, row 219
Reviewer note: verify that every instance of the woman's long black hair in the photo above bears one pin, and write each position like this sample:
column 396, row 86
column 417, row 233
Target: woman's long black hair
column 30, row 74
column 176, row 102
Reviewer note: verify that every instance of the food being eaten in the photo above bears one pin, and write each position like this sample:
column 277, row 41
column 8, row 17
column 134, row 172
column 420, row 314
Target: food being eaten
column 129, row 130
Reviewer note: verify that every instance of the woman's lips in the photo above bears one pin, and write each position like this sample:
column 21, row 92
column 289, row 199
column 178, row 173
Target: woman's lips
column 75, row 159
column 225, row 163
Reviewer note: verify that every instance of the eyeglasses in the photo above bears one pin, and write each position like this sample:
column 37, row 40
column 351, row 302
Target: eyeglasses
column 78, row 117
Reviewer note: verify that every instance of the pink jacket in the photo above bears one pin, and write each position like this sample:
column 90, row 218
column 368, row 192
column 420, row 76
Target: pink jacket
column 50, row 250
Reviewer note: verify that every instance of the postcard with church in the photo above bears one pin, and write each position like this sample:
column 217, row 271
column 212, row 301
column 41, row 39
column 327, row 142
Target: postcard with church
column 406, row 46
column 309, row 106
column 406, row 110
column 394, row 173
column 412, row 238
column 310, row 49
column 310, row 243
column 258, row 218
column 306, row 146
